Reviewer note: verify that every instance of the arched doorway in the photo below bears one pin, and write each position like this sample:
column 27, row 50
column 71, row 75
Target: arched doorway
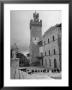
column 55, row 64
column 49, row 63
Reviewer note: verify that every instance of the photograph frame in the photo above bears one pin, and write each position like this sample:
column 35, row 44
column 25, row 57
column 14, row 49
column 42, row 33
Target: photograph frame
column 2, row 26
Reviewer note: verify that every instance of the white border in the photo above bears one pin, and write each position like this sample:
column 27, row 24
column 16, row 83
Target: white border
column 65, row 28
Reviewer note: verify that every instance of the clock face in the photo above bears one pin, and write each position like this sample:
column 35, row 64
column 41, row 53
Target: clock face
column 35, row 40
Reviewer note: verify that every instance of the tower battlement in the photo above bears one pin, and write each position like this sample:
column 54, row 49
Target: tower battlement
column 35, row 21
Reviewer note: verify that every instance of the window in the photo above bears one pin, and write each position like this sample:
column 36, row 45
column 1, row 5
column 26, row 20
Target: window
column 53, row 38
column 49, row 52
column 55, row 63
column 54, row 52
column 48, row 40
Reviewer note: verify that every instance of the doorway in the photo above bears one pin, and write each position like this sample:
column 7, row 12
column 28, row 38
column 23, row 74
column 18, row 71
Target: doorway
column 55, row 64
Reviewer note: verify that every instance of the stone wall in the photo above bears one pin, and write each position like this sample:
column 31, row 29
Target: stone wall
column 51, row 48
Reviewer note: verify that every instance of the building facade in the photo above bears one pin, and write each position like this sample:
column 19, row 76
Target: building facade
column 35, row 37
column 51, row 48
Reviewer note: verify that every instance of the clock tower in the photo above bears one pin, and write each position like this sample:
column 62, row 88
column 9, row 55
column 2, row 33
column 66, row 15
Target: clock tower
column 35, row 36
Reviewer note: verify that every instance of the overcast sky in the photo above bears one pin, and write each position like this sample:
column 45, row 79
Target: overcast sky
column 20, row 25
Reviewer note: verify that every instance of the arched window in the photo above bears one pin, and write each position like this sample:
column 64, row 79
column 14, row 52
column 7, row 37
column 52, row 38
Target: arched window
column 44, row 42
column 49, row 52
column 55, row 63
column 53, row 38
column 48, row 40
column 54, row 52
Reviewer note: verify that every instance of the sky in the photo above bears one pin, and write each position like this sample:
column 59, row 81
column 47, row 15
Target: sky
column 20, row 25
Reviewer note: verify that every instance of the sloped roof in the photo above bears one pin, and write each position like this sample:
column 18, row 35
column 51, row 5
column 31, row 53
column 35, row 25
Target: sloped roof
column 51, row 29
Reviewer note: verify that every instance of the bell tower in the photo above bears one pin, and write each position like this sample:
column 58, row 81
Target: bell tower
column 35, row 36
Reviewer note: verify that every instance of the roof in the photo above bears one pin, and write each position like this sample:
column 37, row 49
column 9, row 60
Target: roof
column 52, row 28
